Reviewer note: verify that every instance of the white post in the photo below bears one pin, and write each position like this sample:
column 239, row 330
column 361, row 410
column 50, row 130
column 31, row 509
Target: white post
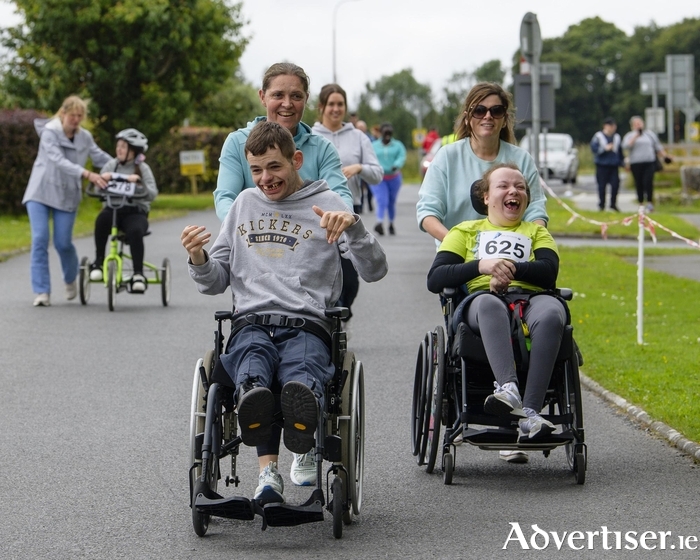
column 640, row 279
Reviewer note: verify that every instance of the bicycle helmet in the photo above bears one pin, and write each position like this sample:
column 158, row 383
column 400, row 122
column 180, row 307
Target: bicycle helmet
column 134, row 138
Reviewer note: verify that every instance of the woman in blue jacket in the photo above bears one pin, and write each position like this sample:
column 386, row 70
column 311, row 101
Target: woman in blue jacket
column 391, row 154
column 284, row 93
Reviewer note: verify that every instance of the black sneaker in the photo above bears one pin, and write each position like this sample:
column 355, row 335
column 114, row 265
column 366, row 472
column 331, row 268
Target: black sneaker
column 256, row 408
column 392, row 231
column 379, row 228
column 300, row 411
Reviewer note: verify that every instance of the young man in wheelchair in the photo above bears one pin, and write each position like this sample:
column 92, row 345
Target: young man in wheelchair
column 502, row 259
column 279, row 249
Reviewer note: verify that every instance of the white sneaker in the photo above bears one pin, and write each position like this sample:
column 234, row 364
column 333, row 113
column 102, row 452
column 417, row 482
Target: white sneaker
column 303, row 472
column 270, row 486
column 96, row 274
column 138, row 283
column 513, row 456
column 42, row 300
column 534, row 425
column 505, row 401
column 72, row 290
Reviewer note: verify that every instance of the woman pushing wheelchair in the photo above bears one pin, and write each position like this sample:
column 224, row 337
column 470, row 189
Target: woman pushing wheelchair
column 502, row 260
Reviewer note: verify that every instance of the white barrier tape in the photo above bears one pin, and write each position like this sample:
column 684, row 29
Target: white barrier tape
column 642, row 218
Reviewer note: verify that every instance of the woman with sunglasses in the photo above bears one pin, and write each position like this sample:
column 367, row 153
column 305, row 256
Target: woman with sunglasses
column 484, row 132
column 484, row 137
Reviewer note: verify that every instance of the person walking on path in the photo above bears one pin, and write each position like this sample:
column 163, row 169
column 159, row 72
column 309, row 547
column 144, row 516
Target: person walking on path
column 55, row 189
column 606, row 146
column 644, row 150
column 392, row 157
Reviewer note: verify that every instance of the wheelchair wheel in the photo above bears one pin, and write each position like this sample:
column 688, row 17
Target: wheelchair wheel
column 200, row 521
column 418, row 402
column 570, row 401
column 165, row 280
column 337, row 491
column 426, row 382
column 435, row 395
column 84, row 280
column 111, row 284
column 353, row 450
column 448, row 467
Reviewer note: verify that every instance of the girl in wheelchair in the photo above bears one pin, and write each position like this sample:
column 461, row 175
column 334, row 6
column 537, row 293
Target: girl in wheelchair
column 132, row 218
column 503, row 260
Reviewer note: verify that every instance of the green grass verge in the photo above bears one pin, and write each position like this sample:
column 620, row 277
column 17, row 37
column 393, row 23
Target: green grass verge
column 661, row 376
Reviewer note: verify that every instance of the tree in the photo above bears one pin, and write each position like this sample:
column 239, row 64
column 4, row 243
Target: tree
column 233, row 106
column 143, row 63
column 399, row 97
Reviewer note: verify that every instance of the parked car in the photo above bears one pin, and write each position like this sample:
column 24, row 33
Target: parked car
column 558, row 156
column 428, row 157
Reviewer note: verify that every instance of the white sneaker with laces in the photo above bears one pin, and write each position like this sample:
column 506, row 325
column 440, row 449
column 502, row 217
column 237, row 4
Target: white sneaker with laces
column 72, row 290
column 534, row 425
column 138, row 283
column 303, row 472
column 513, row 456
column 96, row 274
column 42, row 300
column 270, row 485
column 505, row 401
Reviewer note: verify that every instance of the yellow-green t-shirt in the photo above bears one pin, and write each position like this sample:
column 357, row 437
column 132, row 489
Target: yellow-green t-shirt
column 477, row 239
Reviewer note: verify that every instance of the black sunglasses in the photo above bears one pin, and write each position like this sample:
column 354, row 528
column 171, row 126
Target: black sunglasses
column 497, row 111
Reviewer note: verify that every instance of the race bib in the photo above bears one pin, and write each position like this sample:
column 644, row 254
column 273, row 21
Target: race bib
column 504, row 245
column 121, row 187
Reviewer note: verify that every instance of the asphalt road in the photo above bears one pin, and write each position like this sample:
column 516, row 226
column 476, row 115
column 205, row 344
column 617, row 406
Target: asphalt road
column 94, row 416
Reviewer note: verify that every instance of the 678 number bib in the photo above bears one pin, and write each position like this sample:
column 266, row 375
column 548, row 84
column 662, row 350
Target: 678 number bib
column 504, row 245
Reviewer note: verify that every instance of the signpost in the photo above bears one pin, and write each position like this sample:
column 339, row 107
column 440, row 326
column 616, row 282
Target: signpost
column 531, row 49
column 191, row 165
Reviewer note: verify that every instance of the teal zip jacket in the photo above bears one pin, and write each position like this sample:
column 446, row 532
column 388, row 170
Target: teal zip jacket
column 321, row 161
column 391, row 156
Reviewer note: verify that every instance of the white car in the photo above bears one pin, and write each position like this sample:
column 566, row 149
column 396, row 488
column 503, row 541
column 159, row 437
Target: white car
column 558, row 156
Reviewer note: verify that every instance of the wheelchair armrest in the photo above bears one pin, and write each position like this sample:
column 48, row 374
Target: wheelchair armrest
column 339, row 312
column 223, row 315
column 450, row 293
column 566, row 294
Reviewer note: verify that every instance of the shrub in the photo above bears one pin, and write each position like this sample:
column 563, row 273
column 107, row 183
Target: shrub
column 164, row 158
column 19, row 144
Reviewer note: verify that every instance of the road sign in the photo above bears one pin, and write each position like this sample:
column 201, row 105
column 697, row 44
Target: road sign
column 523, row 101
column 192, row 162
column 554, row 70
column 530, row 37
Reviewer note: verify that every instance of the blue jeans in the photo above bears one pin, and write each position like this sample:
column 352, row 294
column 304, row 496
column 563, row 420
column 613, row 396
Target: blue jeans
column 385, row 195
column 39, row 215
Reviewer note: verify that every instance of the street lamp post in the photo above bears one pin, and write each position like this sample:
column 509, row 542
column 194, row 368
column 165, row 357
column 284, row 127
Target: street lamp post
column 335, row 14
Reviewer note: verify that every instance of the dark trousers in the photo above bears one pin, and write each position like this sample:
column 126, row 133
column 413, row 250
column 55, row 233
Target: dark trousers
column 607, row 175
column 351, row 285
column 643, row 174
column 133, row 222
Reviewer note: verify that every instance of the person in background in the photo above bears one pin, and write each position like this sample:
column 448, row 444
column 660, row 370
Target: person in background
column 392, row 157
column 643, row 150
column 606, row 146
column 55, row 189
column 484, row 136
column 366, row 191
column 132, row 218
column 284, row 93
column 430, row 138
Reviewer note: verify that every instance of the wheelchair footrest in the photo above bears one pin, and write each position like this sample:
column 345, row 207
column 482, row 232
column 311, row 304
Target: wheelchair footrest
column 490, row 436
column 550, row 439
column 235, row 507
column 283, row 515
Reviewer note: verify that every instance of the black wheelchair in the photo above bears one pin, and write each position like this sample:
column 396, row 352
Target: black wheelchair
column 453, row 378
column 215, row 443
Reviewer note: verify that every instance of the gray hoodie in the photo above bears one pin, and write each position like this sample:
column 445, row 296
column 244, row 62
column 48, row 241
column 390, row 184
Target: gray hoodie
column 56, row 175
column 354, row 146
column 276, row 259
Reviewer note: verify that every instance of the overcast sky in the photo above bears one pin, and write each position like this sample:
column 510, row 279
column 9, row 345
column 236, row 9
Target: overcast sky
column 436, row 38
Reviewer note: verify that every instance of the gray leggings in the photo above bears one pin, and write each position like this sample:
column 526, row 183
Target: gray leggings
column 545, row 317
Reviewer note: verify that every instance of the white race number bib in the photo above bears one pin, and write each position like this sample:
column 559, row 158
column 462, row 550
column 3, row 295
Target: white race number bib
column 504, row 245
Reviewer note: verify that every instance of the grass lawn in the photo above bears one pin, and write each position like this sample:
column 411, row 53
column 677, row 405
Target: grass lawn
column 662, row 376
